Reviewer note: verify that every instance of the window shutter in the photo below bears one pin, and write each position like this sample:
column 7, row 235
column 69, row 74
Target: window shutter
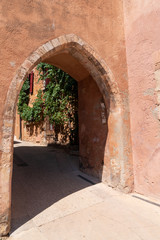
column 31, row 79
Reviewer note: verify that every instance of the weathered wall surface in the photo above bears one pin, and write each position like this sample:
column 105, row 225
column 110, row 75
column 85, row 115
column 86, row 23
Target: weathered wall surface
column 25, row 26
column 142, row 24
column 92, row 127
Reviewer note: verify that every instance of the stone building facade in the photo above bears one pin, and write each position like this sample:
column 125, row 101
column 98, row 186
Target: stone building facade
column 112, row 49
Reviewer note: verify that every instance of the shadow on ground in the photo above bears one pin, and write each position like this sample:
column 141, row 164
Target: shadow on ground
column 41, row 177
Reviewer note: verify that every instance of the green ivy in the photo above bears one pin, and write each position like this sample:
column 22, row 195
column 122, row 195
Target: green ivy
column 29, row 114
column 59, row 101
column 23, row 99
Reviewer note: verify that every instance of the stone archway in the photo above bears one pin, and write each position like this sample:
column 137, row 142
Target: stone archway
column 118, row 169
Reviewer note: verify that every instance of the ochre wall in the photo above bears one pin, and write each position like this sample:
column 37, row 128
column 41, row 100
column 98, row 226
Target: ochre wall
column 25, row 25
column 142, row 28
column 92, row 127
column 125, row 34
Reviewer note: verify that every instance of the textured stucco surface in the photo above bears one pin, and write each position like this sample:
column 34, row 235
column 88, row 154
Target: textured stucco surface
column 25, row 26
column 93, row 127
column 142, row 24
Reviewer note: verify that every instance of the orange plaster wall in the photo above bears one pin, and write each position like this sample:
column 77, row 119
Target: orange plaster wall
column 92, row 127
column 25, row 25
column 142, row 24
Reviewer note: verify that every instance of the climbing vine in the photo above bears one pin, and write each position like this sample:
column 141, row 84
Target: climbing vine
column 23, row 99
column 58, row 101
column 30, row 114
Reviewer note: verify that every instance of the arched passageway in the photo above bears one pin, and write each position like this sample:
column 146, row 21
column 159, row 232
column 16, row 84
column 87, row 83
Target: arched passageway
column 74, row 56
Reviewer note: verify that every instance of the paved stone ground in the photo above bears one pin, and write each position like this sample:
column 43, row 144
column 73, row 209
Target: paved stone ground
column 52, row 202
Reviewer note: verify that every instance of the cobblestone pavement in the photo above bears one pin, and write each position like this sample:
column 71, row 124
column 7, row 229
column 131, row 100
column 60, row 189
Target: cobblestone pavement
column 53, row 200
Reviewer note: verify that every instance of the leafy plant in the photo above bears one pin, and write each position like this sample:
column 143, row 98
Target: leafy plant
column 23, row 96
column 59, row 101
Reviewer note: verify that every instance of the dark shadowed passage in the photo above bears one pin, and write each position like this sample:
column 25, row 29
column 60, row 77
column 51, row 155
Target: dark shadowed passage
column 43, row 177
